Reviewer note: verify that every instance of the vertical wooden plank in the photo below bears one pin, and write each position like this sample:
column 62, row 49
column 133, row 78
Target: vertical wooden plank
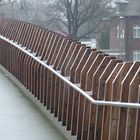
column 29, row 36
column 107, row 96
column 46, row 46
column 95, row 84
column 82, row 86
column 53, row 77
column 15, row 30
column 88, row 87
column 18, row 31
column 7, row 30
column 137, row 129
column 124, row 98
column 23, row 68
column 33, row 70
column 26, row 72
column 37, row 41
column 50, row 42
column 24, row 36
column 67, row 63
column 6, row 27
column 63, row 51
column 76, row 80
column 27, row 59
column 42, row 43
column 45, row 50
column 37, row 45
column 68, row 53
column 86, row 67
column 12, row 30
column 64, row 55
column 58, row 46
column 41, row 83
column 19, row 37
column 92, row 69
column 42, row 91
column 75, row 102
column 72, row 59
column 76, row 57
column 44, row 87
column 49, row 88
column 21, row 56
column 54, row 46
column 115, row 96
column 2, row 21
column 101, row 95
column 38, row 80
column 133, row 97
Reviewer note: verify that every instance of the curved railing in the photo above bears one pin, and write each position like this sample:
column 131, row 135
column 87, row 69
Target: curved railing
column 96, row 96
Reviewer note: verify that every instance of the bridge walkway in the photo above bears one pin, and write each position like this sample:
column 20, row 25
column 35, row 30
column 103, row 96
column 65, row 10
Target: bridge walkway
column 19, row 118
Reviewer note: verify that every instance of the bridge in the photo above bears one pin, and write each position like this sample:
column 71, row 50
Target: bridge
column 85, row 93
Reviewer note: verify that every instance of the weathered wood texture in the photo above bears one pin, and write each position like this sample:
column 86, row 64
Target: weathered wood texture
column 101, row 76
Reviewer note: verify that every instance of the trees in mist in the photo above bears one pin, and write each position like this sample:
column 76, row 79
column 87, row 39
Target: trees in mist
column 80, row 18
column 74, row 18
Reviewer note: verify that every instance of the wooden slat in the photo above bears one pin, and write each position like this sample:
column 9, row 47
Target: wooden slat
column 12, row 30
column 43, row 44
column 50, row 41
column 88, row 87
column 101, row 96
column 95, row 84
column 107, row 96
column 124, row 98
column 38, row 39
column 115, row 96
column 137, row 129
column 20, row 36
column 63, row 52
column 132, row 114
column 82, row 86
column 18, row 31
column 75, row 103
column 7, row 29
column 5, row 25
column 53, row 77
column 66, row 67
column 64, row 59
column 53, row 49
column 24, row 36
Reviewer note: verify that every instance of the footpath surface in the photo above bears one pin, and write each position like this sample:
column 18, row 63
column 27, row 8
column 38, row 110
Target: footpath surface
column 19, row 118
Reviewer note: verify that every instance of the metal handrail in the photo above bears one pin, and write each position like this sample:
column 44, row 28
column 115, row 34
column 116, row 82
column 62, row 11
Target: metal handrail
column 95, row 102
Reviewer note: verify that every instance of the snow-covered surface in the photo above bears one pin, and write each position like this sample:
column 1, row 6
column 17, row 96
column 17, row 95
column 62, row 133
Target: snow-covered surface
column 19, row 118
column 91, row 43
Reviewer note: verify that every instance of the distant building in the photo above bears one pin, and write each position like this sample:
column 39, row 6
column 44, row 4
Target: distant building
column 124, row 28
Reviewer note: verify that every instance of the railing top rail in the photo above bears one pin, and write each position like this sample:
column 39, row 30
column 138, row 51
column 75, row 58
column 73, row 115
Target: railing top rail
column 95, row 102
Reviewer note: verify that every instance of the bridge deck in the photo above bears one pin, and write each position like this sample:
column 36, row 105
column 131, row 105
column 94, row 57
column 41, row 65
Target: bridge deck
column 19, row 119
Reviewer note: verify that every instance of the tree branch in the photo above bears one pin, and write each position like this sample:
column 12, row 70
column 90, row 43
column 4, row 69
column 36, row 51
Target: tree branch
column 93, row 30
column 62, row 30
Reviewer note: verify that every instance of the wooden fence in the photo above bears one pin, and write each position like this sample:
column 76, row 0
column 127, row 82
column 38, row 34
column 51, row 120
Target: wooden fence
column 101, row 76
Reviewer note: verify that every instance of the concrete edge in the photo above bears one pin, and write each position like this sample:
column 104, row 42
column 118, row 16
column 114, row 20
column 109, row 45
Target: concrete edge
column 57, row 124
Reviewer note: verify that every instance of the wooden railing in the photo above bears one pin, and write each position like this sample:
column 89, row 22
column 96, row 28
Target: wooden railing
column 96, row 96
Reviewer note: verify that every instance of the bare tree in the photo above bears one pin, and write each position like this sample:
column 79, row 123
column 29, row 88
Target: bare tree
column 2, row 3
column 74, row 15
column 20, row 9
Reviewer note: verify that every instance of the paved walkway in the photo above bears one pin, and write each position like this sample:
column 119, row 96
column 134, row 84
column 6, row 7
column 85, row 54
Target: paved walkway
column 19, row 119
